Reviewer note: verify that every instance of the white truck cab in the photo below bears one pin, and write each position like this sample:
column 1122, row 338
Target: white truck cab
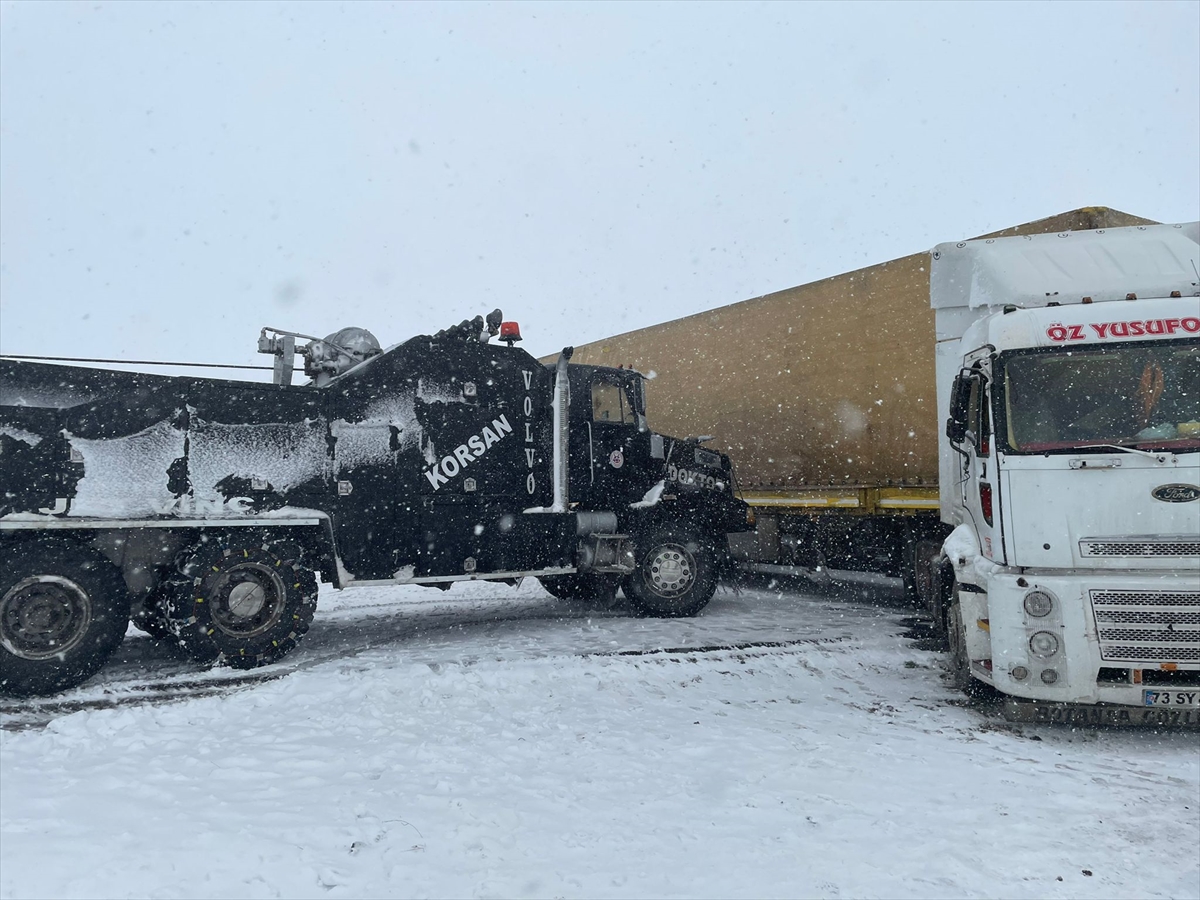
column 1068, row 371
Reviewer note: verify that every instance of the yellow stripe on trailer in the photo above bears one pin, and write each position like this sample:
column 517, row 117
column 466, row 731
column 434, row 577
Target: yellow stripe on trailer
column 909, row 498
column 758, row 498
column 864, row 498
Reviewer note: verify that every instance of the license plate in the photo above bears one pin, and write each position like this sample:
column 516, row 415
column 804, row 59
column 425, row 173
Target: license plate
column 1103, row 714
column 1174, row 699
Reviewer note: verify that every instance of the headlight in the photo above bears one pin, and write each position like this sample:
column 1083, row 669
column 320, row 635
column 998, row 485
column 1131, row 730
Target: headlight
column 1043, row 644
column 1039, row 603
column 1049, row 676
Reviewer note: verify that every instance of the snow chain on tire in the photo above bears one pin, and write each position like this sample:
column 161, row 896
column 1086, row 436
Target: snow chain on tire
column 247, row 604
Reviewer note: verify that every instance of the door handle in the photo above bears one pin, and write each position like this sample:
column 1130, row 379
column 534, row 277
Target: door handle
column 1094, row 463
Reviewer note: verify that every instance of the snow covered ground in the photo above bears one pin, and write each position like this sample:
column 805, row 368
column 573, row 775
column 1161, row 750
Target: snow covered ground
column 492, row 743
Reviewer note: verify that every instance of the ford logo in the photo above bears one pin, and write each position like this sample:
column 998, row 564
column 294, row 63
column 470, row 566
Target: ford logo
column 1176, row 493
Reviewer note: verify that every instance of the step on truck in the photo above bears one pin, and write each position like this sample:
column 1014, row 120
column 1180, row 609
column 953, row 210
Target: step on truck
column 1068, row 379
column 205, row 510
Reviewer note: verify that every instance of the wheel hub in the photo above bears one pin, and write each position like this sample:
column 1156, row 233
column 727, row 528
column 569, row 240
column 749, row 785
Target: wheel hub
column 248, row 599
column 671, row 571
column 44, row 616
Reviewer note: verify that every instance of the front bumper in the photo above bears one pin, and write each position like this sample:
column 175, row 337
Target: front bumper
column 1108, row 630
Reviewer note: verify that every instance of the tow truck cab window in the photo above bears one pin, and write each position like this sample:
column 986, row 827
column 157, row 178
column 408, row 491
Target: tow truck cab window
column 610, row 403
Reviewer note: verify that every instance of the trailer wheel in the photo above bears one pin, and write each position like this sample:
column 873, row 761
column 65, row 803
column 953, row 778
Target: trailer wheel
column 591, row 591
column 249, row 603
column 63, row 610
column 676, row 574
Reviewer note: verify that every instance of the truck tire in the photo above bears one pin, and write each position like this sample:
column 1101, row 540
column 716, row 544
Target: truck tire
column 959, row 661
column 591, row 591
column 64, row 609
column 248, row 604
column 923, row 561
column 941, row 595
column 909, row 564
column 676, row 574
column 916, row 569
column 960, row 664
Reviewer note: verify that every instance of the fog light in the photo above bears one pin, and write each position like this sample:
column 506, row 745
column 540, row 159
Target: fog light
column 1043, row 644
column 1049, row 676
column 1020, row 673
column 1039, row 603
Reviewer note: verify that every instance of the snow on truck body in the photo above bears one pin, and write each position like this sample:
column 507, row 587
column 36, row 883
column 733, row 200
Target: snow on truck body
column 1069, row 380
column 204, row 508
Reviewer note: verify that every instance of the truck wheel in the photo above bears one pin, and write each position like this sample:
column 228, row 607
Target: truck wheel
column 923, row 560
column 63, row 610
column 916, row 569
column 592, row 591
column 941, row 595
column 248, row 604
column 908, row 572
column 960, row 664
column 675, row 576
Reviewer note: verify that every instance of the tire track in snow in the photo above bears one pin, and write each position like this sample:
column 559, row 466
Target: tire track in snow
column 18, row 716
column 124, row 681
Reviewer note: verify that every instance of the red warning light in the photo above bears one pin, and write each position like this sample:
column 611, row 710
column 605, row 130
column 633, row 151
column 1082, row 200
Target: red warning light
column 510, row 332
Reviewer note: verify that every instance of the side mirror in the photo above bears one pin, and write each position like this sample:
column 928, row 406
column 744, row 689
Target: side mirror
column 960, row 398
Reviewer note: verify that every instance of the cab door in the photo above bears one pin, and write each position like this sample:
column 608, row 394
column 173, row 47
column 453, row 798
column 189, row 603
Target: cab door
column 970, row 433
column 610, row 444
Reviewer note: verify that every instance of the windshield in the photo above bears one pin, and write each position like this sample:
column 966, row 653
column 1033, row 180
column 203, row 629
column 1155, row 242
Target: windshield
column 1139, row 395
column 610, row 403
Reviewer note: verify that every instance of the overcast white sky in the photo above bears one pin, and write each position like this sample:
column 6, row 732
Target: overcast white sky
column 174, row 176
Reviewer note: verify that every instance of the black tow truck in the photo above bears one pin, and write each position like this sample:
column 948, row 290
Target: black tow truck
column 204, row 510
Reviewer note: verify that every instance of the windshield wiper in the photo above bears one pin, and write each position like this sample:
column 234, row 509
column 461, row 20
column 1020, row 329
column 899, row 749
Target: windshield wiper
column 1159, row 455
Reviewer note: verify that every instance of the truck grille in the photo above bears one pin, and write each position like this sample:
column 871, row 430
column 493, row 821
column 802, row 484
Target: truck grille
column 1141, row 617
column 1148, row 626
column 1139, row 548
